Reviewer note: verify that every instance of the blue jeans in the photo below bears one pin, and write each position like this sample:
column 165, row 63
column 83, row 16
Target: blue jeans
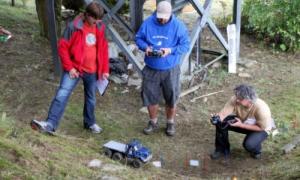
column 252, row 141
column 62, row 96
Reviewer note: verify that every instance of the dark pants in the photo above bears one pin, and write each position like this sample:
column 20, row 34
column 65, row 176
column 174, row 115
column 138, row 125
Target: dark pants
column 63, row 93
column 252, row 141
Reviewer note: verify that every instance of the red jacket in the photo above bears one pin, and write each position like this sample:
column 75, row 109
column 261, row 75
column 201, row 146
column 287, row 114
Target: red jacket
column 71, row 47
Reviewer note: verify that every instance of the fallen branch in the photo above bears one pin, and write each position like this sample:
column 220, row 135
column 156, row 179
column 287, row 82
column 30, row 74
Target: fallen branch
column 289, row 147
column 194, row 99
column 190, row 90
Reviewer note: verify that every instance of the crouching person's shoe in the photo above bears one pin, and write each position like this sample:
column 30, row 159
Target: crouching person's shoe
column 151, row 127
column 255, row 155
column 170, row 131
column 42, row 126
column 218, row 154
column 95, row 129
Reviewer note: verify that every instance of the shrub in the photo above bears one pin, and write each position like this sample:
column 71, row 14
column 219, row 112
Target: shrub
column 277, row 22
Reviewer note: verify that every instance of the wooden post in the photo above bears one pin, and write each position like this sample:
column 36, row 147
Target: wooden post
column 237, row 13
column 53, row 36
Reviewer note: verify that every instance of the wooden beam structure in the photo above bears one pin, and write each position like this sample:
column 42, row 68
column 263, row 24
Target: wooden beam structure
column 53, row 37
column 136, row 18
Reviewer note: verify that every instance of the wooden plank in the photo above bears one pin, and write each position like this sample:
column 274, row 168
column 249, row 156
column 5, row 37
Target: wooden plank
column 206, row 95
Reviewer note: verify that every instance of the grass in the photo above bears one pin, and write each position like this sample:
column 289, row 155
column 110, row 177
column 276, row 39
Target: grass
column 31, row 155
column 216, row 77
column 14, row 15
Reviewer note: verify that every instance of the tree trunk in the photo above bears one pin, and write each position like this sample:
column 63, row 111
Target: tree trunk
column 58, row 17
column 43, row 17
column 136, row 13
column 12, row 2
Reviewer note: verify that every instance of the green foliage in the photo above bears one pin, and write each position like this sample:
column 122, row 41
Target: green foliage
column 277, row 22
column 124, row 9
column 285, row 108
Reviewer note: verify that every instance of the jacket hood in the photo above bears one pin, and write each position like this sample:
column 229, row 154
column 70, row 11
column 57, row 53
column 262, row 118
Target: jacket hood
column 78, row 22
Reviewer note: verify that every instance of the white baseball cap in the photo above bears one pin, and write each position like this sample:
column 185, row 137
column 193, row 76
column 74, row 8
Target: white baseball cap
column 87, row 2
column 164, row 10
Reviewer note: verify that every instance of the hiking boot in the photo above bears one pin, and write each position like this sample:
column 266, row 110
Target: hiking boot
column 151, row 127
column 255, row 155
column 42, row 126
column 216, row 155
column 170, row 131
column 95, row 129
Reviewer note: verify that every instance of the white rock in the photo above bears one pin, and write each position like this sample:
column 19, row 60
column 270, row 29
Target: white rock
column 241, row 69
column 244, row 75
column 247, row 62
column 135, row 75
column 130, row 66
column 109, row 178
column 275, row 132
column 216, row 65
column 134, row 82
column 112, row 168
column 117, row 79
column 95, row 163
column 125, row 91
column 144, row 110
column 250, row 64
column 156, row 164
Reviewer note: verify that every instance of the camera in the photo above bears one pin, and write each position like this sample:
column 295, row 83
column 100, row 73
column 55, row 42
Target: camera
column 215, row 120
column 156, row 53
column 230, row 119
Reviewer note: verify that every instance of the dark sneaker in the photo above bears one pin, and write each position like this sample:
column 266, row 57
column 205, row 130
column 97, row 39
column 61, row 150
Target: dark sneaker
column 218, row 154
column 255, row 156
column 42, row 126
column 170, row 131
column 152, row 127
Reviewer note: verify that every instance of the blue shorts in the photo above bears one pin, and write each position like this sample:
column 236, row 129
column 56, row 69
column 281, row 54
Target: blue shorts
column 157, row 81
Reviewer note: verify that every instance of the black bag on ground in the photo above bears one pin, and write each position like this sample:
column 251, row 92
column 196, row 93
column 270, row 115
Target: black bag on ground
column 117, row 66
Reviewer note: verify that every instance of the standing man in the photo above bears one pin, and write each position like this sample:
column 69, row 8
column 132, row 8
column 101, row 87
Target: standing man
column 163, row 38
column 252, row 117
column 83, row 51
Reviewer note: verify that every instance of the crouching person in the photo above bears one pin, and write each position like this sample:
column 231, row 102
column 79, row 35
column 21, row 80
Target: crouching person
column 244, row 113
column 83, row 51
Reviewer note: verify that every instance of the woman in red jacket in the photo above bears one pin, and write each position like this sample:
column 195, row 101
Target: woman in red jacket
column 83, row 51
